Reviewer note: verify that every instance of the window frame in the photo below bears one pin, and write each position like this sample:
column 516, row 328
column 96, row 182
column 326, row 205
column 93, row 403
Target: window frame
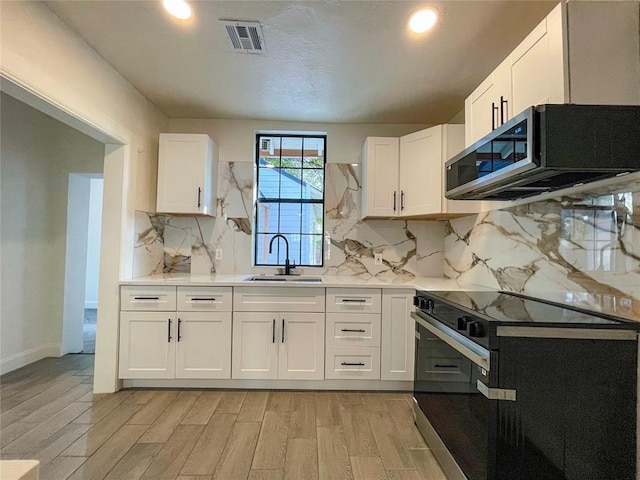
column 280, row 200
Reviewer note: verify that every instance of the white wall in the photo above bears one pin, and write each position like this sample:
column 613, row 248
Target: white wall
column 38, row 153
column 236, row 138
column 59, row 72
column 93, row 243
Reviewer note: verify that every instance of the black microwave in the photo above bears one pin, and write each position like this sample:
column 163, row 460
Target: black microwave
column 546, row 148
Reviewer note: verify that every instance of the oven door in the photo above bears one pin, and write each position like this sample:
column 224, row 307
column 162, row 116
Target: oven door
column 451, row 389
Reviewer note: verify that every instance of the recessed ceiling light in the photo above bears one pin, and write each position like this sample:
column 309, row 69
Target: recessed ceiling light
column 423, row 20
column 178, row 8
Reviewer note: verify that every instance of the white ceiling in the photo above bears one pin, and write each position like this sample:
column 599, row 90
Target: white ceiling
column 327, row 61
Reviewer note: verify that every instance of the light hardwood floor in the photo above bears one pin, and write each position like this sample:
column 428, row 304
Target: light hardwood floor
column 49, row 413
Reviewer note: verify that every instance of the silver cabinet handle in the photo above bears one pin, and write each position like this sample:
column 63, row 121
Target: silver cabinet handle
column 146, row 298
column 359, row 364
column 354, row 300
column 359, row 330
column 204, row 299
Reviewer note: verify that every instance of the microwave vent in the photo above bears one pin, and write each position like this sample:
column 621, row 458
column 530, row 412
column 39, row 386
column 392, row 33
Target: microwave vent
column 244, row 37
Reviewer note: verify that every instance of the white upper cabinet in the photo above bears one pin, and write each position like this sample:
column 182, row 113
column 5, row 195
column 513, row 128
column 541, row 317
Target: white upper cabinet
column 380, row 164
column 187, row 171
column 572, row 56
column 413, row 185
column 421, row 159
column 488, row 106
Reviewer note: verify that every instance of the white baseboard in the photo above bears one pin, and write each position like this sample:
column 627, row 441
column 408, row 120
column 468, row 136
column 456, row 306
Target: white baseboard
column 91, row 304
column 341, row 384
column 21, row 359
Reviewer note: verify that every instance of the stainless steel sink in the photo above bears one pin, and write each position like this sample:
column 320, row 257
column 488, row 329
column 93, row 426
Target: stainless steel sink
column 283, row 279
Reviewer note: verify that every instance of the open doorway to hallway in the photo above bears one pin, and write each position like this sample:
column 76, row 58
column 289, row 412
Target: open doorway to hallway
column 93, row 266
column 82, row 262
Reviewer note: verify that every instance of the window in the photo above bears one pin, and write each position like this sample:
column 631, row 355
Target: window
column 289, row 199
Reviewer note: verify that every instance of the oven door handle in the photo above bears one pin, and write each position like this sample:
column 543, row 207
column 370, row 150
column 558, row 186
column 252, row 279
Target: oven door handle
column 475, row 353
column 496, row 393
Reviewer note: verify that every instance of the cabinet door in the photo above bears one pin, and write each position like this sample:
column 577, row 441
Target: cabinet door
column 421, row 172
column 147, row 345
column 203, row 345
column 398, row 335
column 538, row 65
column 301, row 338
column 185, row 174
column 380, row 196
column 489, row 106
column 255, row 347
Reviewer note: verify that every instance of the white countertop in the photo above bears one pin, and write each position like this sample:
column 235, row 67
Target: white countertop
column 236, row 280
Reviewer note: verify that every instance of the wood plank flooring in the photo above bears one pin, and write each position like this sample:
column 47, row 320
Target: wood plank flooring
column 48, row 413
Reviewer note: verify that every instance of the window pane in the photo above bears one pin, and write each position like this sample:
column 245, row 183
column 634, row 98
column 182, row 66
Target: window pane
column 269, row 150
column 268, row 217
column 311, row 247
column 290, row 217
column 292, row 147
column 268, row 183
column 290, row 183
column 313, row 184
column 311, row 218
column 313, row 152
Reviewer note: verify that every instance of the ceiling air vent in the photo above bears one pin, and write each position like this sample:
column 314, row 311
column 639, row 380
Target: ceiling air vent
column 245, row 37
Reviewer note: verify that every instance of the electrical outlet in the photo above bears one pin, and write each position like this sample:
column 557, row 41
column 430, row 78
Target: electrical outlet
column 218, row 254
column 377, row 258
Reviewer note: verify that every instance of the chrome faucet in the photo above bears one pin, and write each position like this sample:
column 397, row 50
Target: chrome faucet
column 287, row 265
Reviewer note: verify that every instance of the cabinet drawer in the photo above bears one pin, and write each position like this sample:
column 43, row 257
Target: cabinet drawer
column 354, row 300
column 205, row 299
column 157, row 298
column 353, row 329
column 352, row 362
column 278, row 299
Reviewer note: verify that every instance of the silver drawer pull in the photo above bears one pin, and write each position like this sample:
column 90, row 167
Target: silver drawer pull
column 208, row 299
column 359, row 330
column 354, row 300
column 146, row 298
column 359, row 364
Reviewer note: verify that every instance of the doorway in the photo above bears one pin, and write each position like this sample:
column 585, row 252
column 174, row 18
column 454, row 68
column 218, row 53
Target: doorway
column 82, row 263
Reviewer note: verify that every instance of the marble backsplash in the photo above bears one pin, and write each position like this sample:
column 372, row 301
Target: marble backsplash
column 187, row 244
column 584, row 251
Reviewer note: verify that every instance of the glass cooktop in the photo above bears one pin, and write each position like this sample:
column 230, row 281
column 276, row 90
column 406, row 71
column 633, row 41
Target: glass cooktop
column 507, row 307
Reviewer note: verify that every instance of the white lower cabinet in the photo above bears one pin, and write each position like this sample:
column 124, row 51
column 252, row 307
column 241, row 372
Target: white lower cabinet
column 353, row 362
column 203, row 345
column 278, row 345
column 353, row 333
column 193, row 333
column 194, row 343
column 398, row 335
column 147, row 346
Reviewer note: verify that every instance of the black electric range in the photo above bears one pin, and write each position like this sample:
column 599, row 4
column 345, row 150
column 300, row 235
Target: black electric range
column 510, row 387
